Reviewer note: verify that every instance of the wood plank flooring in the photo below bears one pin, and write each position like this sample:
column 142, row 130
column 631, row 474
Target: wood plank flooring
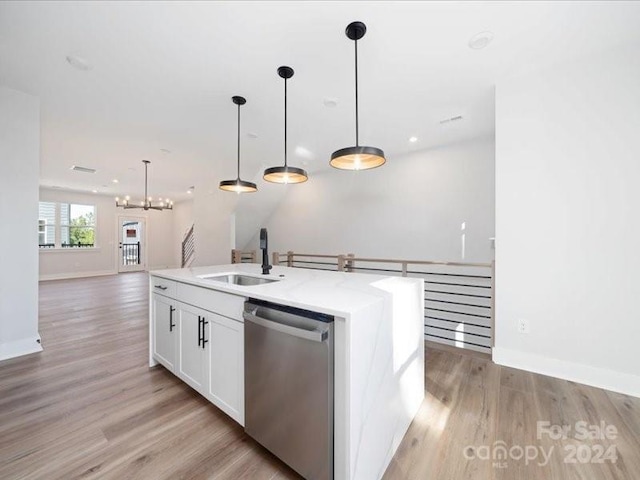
column 88, row 407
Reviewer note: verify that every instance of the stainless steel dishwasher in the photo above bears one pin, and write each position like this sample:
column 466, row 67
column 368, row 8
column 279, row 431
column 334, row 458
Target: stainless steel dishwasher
column 288, row 359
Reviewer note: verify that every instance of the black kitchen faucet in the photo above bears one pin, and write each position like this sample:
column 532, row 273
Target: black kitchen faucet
column 264, row 246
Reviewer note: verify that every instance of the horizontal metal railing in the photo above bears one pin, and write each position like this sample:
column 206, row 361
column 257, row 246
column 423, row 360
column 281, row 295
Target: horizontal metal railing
column 459, row 296
column 188, row 247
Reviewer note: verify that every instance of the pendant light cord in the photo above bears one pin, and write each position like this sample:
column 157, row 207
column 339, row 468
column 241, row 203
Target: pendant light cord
column 357, row 120
column 146, row 197
column 238, row 142
column 285, row 123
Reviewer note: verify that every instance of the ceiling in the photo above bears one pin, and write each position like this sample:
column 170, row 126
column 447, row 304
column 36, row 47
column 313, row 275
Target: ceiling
column 162, row 75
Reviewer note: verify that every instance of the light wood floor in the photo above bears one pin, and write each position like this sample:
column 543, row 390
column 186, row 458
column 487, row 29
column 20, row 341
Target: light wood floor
column 89, row 407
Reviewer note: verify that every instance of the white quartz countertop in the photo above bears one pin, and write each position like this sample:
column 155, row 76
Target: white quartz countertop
column 335, row 293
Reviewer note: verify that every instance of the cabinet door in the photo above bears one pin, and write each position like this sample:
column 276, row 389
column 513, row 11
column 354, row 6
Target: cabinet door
column 193, row 365
column 165, row 331
column 226, row 368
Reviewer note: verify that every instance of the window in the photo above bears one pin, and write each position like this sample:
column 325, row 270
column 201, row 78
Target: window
column 66, row 225
column 77, row 225
column 46, row 225
column 42, row 231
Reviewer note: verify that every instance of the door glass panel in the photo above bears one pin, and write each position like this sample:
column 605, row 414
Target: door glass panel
column 131, row 240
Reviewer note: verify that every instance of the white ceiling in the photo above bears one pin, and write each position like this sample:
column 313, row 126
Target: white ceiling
column 163, row 75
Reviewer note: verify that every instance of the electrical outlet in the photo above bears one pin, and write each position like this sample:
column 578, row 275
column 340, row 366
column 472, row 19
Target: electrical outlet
column 523, row 325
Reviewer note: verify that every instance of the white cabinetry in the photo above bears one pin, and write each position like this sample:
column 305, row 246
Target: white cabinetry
column 193, row 356
column 198, row 334
column 226, row 375
column 165, row 332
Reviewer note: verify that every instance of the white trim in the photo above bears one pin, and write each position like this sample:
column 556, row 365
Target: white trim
column 162, row 267
column 576, row 372
column 64, row 276
column 18, row 348
column 70, row 249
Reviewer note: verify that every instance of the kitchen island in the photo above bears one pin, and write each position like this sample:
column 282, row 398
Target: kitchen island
column 378, row 357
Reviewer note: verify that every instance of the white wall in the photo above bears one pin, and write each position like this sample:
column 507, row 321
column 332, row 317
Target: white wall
column 214, row 222
column 19, row 171
column 103, row 259
column 567, row 199
column 412, row 208
column 160, row 240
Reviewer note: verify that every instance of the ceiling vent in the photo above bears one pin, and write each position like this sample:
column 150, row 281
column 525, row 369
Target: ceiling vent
column 457, row 118
column 83, row 169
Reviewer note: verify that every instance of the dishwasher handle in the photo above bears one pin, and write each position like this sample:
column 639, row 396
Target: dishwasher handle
column 313, row 335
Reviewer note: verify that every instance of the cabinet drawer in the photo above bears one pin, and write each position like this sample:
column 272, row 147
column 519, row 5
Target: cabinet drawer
column 162, row 286
column 218, row 302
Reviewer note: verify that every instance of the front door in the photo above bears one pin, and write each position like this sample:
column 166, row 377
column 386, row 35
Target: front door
column 131, row 244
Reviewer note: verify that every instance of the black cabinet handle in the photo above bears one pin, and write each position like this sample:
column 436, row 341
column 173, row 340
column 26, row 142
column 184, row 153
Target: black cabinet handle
column 171, row 324
column 199, row 330
column 204, row 340
column 161, row 287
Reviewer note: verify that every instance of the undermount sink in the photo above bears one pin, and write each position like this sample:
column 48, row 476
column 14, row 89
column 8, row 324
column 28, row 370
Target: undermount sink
column 238, row 279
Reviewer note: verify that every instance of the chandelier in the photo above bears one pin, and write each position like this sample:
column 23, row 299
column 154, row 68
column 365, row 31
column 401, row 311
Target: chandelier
column 147, row 203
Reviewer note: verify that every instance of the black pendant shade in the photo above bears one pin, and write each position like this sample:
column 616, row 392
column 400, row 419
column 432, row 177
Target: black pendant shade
column 238, row 185
column 357, row 157
column 285, row 174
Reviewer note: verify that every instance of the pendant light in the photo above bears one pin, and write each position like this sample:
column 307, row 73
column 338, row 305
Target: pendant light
column 285, row 174
column 357, row 157
column 146, row 203
column 237, row 185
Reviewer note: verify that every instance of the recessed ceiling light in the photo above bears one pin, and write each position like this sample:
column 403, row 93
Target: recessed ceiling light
column 115, row 180
column 189, row 191
column 78, row 63
column 480, row 40
column 330, row 102
column 413, row 139
column 94, row 191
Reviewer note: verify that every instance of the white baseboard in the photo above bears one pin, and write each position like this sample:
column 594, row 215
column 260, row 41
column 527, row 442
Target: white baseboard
column 162, row 267
column 64, row 276
column 576, row 372
column 20, row 347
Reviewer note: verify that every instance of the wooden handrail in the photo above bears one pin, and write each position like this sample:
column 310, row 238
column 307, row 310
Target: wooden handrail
column 313, row 255
column 350, row 259
column 421, row 262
